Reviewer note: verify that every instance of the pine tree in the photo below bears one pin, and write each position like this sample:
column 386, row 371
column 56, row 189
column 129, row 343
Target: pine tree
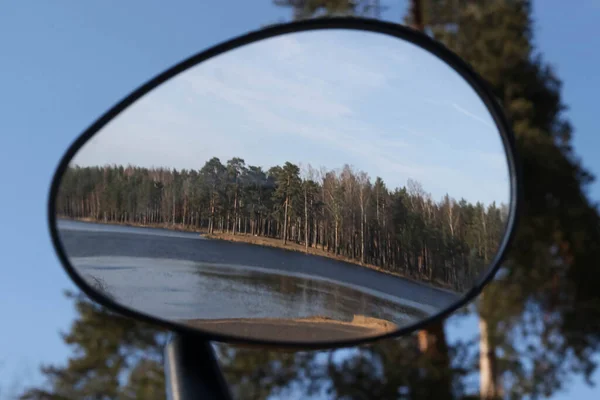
column 559, row 237
column 106, row 349
column 287, row 191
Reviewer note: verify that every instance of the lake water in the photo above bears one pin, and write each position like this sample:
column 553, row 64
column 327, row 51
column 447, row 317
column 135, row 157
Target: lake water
column 180, row 276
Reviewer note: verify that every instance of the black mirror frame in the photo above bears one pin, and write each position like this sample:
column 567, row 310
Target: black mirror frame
column 371, row 25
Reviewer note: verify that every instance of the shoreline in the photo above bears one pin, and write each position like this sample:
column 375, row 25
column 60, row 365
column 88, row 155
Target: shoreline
column 268, row 242
column 166, row 226
column 299, row 248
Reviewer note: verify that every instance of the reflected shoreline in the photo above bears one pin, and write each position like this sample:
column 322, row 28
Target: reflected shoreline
column 315, row 252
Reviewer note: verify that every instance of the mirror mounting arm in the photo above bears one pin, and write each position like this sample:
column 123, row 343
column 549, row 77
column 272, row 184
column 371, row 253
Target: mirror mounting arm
column 192, row 370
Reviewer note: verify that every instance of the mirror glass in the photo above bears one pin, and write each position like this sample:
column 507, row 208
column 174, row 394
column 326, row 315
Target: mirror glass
column 315, row 186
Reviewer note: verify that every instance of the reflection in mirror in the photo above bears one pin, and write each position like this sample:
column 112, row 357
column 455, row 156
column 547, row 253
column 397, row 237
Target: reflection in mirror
column 314, row 186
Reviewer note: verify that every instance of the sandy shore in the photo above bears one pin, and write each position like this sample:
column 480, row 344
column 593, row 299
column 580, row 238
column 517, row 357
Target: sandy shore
column 309, row 330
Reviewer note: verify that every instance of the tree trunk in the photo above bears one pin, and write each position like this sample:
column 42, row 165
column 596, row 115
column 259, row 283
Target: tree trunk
column 315, row 228
column 490, row 387
column 184, row 210
column 363, row 218
column 336, row 242
column 433, row 345
column 432, row 339
column 235, row 217
column 211, row 222
column 306, row 236
column 285, row 221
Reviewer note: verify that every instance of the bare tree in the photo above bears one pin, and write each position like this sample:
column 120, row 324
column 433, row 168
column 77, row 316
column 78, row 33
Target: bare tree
column 364, row 193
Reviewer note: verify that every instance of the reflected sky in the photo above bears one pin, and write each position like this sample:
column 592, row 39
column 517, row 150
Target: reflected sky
column 324, row 98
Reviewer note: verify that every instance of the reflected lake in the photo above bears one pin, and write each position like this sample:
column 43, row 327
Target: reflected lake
column 183, row 276
column 177, row 289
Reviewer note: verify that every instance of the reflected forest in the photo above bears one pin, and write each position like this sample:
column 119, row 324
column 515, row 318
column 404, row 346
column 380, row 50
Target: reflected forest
column 336, row 213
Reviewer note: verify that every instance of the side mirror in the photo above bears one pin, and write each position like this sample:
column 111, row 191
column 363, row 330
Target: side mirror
column 316, row 184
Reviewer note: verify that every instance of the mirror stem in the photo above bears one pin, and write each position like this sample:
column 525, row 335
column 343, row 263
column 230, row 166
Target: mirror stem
column 192, row 370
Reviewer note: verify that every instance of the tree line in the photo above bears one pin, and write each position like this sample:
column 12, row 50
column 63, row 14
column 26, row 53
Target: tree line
column 341, row 212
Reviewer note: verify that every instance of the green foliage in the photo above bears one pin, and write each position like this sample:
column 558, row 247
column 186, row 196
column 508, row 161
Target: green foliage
column 303, row 9
column 558, row 243
column 106, row 349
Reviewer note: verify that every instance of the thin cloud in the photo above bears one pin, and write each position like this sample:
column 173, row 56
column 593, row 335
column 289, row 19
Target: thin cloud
column 475, row 117
column 291, row 98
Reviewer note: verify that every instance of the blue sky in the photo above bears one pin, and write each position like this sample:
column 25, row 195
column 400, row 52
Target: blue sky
column 65, row 63
column 321, row 98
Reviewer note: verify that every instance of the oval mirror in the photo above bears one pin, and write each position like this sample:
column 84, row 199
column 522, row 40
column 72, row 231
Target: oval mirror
column 292, row 186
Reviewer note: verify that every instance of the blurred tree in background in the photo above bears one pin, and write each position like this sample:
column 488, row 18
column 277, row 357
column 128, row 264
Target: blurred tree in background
column 551, row 304
column 540, row 323
column 113, row 358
